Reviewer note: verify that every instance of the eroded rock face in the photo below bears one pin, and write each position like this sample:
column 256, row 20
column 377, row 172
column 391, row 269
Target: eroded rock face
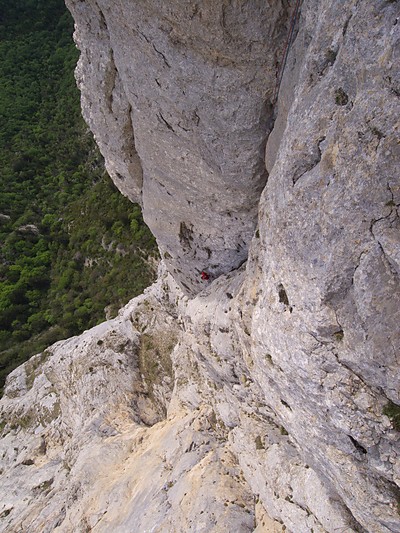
column 261, row 404
column 187, row 87
column 86, row 445
column 87, row 442
column 325, row 335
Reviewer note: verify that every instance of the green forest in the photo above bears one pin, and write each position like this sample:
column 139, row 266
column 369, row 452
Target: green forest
column 72, row 248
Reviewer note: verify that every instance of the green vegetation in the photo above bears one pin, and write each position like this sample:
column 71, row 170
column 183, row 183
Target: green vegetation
column 33, row 365
column 70, row 243
column 330, row 56
column 155, row 360
column 339, row 335
column 392, row 411
column 259, row 444
column 341, row 98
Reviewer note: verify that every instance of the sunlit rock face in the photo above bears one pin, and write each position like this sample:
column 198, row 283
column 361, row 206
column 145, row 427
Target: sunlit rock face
column 268, row 401
column 325, row 327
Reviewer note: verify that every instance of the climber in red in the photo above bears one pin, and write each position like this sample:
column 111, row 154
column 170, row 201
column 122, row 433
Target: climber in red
column 204, row 275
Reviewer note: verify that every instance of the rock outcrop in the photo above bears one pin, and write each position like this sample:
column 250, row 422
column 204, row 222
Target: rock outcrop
column 179, row 96
column 266, row 398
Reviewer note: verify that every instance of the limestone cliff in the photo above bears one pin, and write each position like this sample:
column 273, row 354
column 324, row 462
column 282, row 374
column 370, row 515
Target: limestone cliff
column 179, row 97
column 266, row 398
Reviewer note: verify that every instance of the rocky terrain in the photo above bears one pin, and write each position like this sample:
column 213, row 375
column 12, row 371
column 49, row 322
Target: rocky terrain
column 265, row 398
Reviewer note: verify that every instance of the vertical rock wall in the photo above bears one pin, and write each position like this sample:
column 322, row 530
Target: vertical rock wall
column 325, row 328
column 319, row 310
column 187, row 87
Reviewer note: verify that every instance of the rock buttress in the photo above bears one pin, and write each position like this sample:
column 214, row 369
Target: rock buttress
column 284, row 382
column 178, row 95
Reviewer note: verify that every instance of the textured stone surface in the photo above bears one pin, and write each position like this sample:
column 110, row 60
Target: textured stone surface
column 259, row 404
column 79, row 451
column 328, row 310
column 188, row 87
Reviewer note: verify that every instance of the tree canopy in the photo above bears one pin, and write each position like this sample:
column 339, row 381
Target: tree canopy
column 71, row 244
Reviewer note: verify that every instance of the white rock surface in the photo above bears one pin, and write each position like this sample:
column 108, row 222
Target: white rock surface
column 257, row 405
column 86, row 446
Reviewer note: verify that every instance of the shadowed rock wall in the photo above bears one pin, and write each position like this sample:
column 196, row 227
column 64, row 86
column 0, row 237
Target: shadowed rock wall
column 179, row 98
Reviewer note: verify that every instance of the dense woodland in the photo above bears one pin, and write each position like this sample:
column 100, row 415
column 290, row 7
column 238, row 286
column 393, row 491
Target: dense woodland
column 71, row 244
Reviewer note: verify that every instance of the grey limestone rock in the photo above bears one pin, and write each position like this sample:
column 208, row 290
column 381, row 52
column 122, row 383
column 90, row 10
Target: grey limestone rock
column 179, row 96
column 93, row 440
column 265, row 398
column 328, row 310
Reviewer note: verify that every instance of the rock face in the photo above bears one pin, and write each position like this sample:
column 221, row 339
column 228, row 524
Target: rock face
column 270, row 401
column 179, row 97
